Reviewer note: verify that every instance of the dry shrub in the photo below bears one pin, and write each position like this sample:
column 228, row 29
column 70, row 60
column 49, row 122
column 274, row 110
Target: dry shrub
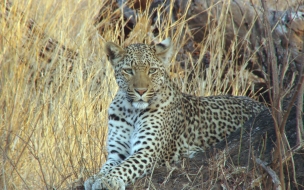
column 56, row 84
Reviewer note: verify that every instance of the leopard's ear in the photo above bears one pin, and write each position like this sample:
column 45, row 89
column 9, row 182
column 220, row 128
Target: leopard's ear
column 114, row 52
column 164, row 50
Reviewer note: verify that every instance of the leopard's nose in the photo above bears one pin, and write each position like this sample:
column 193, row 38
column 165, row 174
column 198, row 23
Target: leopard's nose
column 141, row 91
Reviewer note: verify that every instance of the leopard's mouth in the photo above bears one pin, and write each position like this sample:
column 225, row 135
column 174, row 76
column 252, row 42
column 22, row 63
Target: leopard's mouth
column 140, row 104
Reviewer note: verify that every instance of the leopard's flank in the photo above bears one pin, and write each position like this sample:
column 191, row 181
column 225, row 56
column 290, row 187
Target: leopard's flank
column 152, row 122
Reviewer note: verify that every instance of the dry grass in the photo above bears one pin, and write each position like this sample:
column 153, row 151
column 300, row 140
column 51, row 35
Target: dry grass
column 53, row 119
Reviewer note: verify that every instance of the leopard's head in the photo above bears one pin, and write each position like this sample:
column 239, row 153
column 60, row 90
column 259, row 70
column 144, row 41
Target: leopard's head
column 140, row 69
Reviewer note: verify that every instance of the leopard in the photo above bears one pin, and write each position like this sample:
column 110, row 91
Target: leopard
column 152, row 123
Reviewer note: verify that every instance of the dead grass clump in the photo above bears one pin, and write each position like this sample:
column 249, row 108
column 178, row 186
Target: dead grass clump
column 56, row 84
column 50, row 127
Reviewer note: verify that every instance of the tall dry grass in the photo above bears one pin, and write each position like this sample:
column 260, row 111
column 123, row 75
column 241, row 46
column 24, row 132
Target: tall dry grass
column 53, row 111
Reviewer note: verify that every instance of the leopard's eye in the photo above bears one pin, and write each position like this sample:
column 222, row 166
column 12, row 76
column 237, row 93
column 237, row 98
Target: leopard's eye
column 152, row 70
column 128, row 71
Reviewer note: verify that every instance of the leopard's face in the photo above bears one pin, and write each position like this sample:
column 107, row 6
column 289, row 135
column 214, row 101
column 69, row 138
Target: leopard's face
column 139, row 71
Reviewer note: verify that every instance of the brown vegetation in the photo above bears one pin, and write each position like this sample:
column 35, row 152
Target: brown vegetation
column 56, row 85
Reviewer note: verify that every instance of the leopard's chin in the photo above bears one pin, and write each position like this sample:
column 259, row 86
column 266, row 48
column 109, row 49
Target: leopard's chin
column 140, row 104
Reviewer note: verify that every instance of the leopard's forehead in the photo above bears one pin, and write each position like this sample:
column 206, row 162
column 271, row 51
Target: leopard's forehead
column 141, row 55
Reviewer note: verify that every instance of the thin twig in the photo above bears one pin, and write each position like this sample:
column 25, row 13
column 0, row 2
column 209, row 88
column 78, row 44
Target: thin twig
column 299, row 113
column 273, row 175
column 275, row 96
column 14, row 168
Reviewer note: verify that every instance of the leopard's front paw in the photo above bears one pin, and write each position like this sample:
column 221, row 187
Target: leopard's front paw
column 99, row 182
column 89, row 183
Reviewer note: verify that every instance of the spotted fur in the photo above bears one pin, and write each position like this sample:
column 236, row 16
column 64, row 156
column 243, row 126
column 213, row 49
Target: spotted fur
column 152, row 122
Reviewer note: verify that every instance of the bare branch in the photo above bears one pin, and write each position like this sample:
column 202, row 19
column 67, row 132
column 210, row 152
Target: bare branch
column 273, row 175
